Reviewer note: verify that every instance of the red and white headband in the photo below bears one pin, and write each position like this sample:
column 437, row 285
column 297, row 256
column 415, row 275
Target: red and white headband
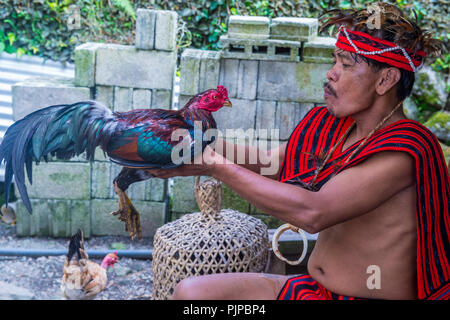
column 379, row 49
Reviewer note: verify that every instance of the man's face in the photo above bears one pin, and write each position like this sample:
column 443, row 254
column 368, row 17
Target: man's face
column 351, row 85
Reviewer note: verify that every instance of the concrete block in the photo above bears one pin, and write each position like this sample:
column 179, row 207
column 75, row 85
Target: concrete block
column 295, row 29
column 240, row 116
column 103, row 223
column 288, row 115
column 319, row 50
column 183, row 195
column 39, row 222
column 105, row 95
column 229, row 71
column 85, row 57
column 142, row 98
column 248, row 27
column 60, row 180
column 37, row 93
column 155, row 190
column 240, row 78
column 156, row 29
column 59, row 219
column 266, row 117
column 126, row 66
column 209, row 70
column 101, row 180
column 166, row 30
column 161, row 99
column 145, row 29
column 299, row 82
column 23, row 219
column 251, row 49
column 247, row 79
column 190, row 71
column 123, row 99
column 80, row 212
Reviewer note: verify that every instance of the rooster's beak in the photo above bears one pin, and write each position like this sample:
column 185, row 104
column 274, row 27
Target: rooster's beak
column 227, row 103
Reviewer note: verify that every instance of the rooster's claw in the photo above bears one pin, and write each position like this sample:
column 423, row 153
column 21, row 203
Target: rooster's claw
column 128, row 214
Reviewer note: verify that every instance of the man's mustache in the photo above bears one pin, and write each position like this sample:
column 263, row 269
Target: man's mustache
column 329, row 88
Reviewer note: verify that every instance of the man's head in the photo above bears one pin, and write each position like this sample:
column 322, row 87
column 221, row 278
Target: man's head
column 373, row 61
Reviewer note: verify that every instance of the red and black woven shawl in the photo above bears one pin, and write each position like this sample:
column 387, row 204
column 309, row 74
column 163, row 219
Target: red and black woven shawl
column 319, row 131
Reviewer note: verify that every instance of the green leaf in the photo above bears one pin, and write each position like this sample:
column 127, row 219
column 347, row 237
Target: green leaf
column 10, row 49
column 11, row 37
column 20, row 52
column 2, row 47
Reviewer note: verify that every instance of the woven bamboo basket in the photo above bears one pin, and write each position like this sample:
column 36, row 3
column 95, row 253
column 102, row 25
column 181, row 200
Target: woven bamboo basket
column 207, row 242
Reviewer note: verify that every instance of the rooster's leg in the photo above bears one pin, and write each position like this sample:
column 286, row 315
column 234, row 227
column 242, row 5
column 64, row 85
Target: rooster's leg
column 128, row 213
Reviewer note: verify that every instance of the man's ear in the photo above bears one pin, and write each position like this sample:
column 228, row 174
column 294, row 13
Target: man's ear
column 388, row 78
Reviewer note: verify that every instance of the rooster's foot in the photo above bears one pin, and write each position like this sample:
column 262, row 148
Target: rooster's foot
column 128, row 213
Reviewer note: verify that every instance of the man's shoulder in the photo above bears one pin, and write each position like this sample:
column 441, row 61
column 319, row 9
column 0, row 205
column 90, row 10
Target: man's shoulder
column 403, row 133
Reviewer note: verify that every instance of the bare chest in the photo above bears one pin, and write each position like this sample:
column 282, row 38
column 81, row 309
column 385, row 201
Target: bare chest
column 384, row 238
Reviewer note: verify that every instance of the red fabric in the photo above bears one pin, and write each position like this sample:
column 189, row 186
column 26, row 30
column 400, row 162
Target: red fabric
column 366, row 42
column 304, row 287
column 319, row 131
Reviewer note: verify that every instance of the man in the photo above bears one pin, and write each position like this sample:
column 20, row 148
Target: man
column 370, row 181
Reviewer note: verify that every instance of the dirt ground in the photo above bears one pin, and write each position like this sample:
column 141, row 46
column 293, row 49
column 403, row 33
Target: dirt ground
column 40, row 278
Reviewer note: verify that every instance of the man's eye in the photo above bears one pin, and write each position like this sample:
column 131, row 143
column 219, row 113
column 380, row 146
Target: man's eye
column 346, row 65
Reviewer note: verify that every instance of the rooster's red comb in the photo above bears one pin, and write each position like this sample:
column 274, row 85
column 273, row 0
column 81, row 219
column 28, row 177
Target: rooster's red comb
column 223, row 91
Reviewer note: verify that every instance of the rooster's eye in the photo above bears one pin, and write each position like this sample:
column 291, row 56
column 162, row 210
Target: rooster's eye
column 214, row 97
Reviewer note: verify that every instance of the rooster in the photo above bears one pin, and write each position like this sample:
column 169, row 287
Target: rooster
column 137, row 140
column 83, row 279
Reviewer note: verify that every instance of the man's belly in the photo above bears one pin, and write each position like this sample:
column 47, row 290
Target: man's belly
column 368, row 257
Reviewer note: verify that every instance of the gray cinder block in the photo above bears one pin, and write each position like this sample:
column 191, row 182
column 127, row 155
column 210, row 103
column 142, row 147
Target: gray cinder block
column 319, row 50
column 156, row 29
column 52, row 180
column 254, row 49
column 85, row 58
column 142, row 98
column 37, row 93
column 199, row 71
column 125, row 66
column 123, row 99
column 295, row 29
column 248, row 27
column 291, row 81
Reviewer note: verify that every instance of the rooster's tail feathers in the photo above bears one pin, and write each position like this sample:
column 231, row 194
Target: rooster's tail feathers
column 61, row 130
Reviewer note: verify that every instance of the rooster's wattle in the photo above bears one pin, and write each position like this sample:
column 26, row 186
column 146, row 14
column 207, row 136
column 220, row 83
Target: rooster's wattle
column 139, row 139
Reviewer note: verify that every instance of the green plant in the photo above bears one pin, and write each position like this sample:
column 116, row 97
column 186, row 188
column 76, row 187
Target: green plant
column 442, row 64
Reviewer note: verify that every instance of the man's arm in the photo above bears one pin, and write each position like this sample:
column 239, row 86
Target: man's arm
column 349, row 194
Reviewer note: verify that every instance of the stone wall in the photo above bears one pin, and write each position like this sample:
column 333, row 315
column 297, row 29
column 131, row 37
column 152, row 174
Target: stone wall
column 273, row 70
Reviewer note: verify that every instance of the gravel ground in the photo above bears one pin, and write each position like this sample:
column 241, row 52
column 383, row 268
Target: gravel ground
column 40, row 278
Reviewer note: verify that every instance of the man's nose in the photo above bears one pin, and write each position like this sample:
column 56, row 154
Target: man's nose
column 332, row 75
